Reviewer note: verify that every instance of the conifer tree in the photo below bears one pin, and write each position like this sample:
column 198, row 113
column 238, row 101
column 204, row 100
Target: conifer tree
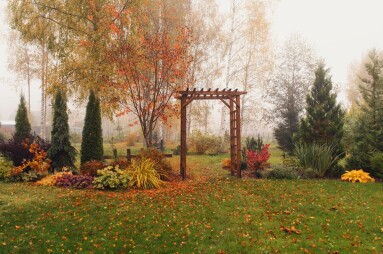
column 23, row 127
column 324, row 119
column 287, row 128
column 61, row 152
column 92, row 143
column 368, row 131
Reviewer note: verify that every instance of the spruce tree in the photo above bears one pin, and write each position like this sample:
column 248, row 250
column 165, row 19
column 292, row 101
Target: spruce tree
column 324, row 119
column 368, row 131
column 287, row 128
column 61, row 152
column 92, row 143
column 23, row 127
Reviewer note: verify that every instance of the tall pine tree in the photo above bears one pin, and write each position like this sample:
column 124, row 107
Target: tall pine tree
column 61, row 152
column 92, row 143
column 23, row 127
column 324, row 119
column 368, row 131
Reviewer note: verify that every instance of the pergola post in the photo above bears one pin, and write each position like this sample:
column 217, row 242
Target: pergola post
column 233, row 156
column 238, row 134
column 183, row 139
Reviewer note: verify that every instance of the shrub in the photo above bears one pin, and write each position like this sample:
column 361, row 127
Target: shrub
column 199, row 142
column 50, row 180
column 32, row 170
column 17, row 151
column 226, row 163
column 255, row 159
column 161, row 165
column 177, row 150
column 376, row 160
column 281, row 172
column 74, row 181
column 317, row 157
column 91, row 167
column 111, row 178
column 143, row 174
column 251, row 144
column 5, row 168
column 131, row 139
column 122, row 164
column 357, row 176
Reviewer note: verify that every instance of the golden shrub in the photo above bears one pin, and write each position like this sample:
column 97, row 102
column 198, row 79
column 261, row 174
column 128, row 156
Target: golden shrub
column 357, row 176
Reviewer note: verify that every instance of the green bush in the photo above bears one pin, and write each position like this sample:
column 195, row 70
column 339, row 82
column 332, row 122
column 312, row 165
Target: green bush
column 5, row 167
column 317, row 157
column 161, row 165
column 111, row 178
column 202, row 143
column 281, row 172
column 376, row 161
column 143, row 174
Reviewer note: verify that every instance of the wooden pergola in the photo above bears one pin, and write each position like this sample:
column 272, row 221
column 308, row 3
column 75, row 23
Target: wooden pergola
column 231, row 98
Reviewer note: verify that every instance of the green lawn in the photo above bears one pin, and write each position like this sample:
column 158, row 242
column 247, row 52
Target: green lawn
column 210, row 213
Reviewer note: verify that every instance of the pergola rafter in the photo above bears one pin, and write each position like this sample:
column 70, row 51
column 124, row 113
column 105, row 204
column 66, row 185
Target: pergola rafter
column 232, row 99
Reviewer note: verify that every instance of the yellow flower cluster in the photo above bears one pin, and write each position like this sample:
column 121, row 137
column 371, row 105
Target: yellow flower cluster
column 357, row 176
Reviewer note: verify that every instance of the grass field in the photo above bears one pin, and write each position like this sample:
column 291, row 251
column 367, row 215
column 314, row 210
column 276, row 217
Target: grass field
column 211, row 212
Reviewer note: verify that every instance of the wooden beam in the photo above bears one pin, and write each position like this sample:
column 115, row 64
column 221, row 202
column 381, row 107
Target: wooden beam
column 227, row 104
column 183, row 139
column 238, row 134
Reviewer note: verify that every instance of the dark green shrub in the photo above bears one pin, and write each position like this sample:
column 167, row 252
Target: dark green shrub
column 92, row 143
column 91, row 167
column 281, row 172
column 23, row 127
column 61, row 152
column 177, row 151
column 376, row 160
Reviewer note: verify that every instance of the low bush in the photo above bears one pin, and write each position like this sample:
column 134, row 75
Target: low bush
column 357, row 176
column 281, row 172
column 226, row 163
column 143, row 174
column 111, row 178
column 315, row 156
column 202, row 143
column 74, row 181
column 50, row 180
column 122, row 164
column 5, row 168
column 161, row 165
column 91, row 167
column 255, row 159
column 18, row 152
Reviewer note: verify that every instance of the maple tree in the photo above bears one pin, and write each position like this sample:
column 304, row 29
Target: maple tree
column 151, row 63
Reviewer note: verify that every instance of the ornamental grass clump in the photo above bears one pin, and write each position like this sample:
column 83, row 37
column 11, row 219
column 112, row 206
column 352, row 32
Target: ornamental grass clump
column 357, row 176
column 144, row 174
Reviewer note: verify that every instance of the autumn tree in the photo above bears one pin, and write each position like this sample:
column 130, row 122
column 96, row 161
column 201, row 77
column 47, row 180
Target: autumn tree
column 323, row 123
column 151, row 64
column 23, row 127
column 92, row 144
column 61, row 152
column 287, row 89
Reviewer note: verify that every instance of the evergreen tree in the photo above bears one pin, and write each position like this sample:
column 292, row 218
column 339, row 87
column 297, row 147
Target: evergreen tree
column 287, row 128
column 92, row 143
column 324, row 119
column 23, row 127
column 368, row 131
column 61, row 152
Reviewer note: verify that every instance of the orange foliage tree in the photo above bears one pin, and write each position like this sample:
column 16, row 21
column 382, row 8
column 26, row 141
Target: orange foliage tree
column 151, row 62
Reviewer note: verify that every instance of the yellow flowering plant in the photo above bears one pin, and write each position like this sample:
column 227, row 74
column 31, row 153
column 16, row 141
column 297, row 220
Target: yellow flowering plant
column 357, row 175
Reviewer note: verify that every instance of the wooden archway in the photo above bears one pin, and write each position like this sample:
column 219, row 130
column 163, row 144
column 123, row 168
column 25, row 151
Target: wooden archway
column 233, row 101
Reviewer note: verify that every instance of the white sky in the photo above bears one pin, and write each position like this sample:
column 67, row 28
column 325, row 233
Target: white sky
column 340, row 31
